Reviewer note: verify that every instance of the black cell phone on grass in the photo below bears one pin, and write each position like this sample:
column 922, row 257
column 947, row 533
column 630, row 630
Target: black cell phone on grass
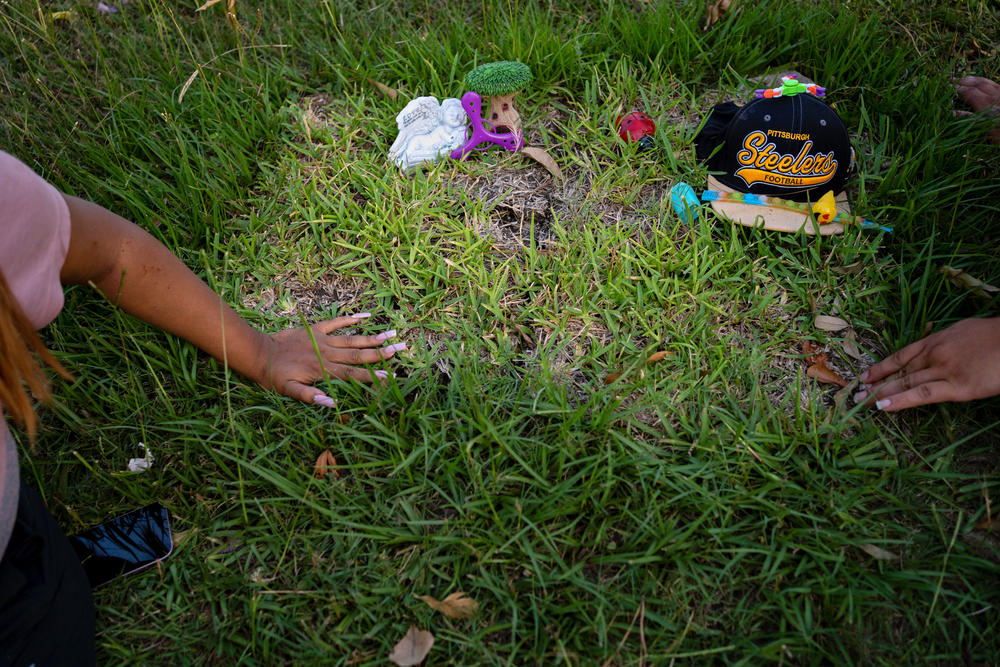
column 125, row 544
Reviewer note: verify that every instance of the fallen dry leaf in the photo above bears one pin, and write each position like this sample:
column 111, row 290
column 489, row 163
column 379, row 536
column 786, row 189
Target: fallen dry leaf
column 391, row 93
column 412, row 648
column 849, row 268
column 878, row 553
column 325, row 465
column 822, row 373
column 179, row 537
column 851, row 347
column 989, row 524
column 456, row 605
column 840, row 398
column 543, row 158
column 830, row 323
column 817, row 365
column 960, row 278
column 656, row 356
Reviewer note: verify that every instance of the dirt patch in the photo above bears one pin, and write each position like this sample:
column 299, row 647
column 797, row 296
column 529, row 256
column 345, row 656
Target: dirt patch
column 322, row 113
column 288, row 296
column 525, row 201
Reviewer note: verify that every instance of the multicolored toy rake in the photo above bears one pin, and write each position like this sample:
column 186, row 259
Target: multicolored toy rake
column 825, row 208
column 686, row 205
column 472, row 103
column 790, row 86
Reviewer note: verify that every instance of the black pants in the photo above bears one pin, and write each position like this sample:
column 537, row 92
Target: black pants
column 46, row 608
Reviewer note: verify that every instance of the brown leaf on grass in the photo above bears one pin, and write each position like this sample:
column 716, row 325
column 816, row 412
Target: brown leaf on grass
column 179, row 537
column 207, row 5
column 851, row 347
column 878, row 553
column 822, row 373
column 809, row 349
column 989, row 524
column 456, row 605
column 963, row 280
column 412, row 648
column 817, row 365
column 391, row 93
column 653, row 358
column 543, row 158
column 325, row 465
column 714, row 11
column 849, row 268
column 840, row 402
column 830, row 323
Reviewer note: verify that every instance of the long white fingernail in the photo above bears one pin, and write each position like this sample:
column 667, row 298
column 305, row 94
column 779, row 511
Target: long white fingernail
column 395, row 347
column 324, row 400
column 883, row 404
column 860, row 396
column 384, row 375
column 361, row 316
column 386, row 335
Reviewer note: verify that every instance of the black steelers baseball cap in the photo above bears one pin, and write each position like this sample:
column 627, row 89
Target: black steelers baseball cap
column 788, row 144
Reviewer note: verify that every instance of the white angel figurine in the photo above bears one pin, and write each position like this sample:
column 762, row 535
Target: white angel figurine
column 426, row 130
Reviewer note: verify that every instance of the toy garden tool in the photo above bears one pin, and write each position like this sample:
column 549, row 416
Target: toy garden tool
column 473, row 105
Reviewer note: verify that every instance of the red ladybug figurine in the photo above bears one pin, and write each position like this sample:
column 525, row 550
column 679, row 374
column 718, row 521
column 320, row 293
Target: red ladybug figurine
column 637, row 126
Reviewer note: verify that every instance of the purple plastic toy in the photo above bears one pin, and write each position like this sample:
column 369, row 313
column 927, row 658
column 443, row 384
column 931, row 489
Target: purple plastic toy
column 473, row 105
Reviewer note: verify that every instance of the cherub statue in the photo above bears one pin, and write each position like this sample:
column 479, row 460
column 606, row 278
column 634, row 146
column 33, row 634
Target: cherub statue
column 426, row 130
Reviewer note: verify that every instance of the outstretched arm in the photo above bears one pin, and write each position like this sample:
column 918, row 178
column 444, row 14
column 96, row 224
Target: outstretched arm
column 140, row 275
column 960, row 363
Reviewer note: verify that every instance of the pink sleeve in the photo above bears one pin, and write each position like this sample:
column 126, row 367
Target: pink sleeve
column 34, row 239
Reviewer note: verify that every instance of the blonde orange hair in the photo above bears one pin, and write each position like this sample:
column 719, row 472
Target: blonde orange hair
column 20, row 372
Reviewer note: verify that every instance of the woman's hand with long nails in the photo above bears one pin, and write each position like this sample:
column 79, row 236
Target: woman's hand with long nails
column 960, row 363
column 983, row 95
column 297, row 358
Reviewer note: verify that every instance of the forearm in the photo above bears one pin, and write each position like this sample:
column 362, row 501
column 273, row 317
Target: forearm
column 141, row 276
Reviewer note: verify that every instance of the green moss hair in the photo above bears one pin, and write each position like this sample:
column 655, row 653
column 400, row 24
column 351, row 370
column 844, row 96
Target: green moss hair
column 499, row 78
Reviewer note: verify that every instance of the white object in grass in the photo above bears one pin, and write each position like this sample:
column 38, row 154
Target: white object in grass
column 140, row 465
column 426, row 130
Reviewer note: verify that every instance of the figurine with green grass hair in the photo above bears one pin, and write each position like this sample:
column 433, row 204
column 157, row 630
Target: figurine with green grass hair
column 499, row 82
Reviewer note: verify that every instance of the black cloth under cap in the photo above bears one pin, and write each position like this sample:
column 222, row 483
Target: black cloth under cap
column 712, row 133
column 793, row 147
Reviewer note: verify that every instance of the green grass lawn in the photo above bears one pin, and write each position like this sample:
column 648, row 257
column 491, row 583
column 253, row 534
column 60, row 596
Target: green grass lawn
column 715, row 506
